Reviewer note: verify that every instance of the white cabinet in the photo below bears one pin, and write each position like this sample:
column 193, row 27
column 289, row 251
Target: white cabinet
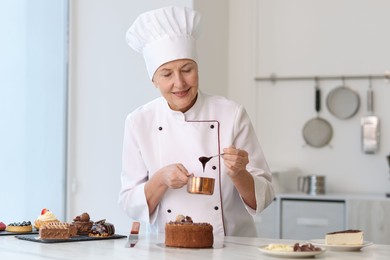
column 305, row 217
column 267, row 222
column 310, row 219
column 372, row 216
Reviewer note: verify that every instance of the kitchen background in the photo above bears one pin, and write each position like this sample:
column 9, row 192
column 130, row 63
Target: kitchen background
column 241, row 40
column 316, row 38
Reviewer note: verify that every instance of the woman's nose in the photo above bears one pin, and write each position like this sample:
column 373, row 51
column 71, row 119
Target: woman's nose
column 179, row 80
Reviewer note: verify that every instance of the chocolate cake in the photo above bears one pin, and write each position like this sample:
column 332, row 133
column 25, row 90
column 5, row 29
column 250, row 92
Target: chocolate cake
column 186, row 234
column 83, row 224
column 102, row 228
column 57, row 231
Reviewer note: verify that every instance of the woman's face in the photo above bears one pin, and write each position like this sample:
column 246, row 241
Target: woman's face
column 178, row 83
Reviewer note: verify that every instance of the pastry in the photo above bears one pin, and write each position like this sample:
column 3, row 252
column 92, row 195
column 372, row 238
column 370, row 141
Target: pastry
column 345, row 237
column 83, row 224
column 102, row 228
column 305, row 247
column 280, row 247
column 2, row 226
column 293, row 248
column 19, row 227
column 57, row 231
column 45, row 218
column 183, row 232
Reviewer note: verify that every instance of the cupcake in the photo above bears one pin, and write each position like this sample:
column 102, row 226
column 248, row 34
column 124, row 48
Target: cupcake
column 45, row 218
column 83, row 224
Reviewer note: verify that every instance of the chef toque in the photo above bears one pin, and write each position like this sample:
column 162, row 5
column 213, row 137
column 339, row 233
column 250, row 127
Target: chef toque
column 164, row 35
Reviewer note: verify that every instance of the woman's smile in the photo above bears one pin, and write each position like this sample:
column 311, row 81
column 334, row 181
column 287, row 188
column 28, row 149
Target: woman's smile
column 182, row 93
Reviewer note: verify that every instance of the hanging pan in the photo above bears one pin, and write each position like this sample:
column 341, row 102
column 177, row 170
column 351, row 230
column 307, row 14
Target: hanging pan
column 343, row 102
column 317, row 132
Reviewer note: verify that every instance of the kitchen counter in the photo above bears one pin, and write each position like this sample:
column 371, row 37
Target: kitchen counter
column 152, row 247
column 332, row 196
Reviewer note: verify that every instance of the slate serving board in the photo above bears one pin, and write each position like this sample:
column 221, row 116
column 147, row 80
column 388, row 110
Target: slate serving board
column 72, row 239
column 7, row 233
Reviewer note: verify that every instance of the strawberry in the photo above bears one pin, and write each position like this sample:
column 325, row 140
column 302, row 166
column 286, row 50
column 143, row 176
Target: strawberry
column 44, row 211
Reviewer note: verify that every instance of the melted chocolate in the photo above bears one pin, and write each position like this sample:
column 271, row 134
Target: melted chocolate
column 204, row 160
column 345, row 231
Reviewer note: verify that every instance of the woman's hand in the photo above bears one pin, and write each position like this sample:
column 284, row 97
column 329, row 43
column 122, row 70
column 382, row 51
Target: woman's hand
column 235, row 160
column 174, row 176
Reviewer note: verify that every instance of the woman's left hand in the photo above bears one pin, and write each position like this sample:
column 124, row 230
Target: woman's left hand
column 235, row 160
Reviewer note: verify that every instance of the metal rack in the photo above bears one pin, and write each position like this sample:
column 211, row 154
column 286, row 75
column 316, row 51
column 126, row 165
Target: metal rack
column 274, row 78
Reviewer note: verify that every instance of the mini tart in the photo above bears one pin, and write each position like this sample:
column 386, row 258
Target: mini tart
column 19, row 229
column 102, row 228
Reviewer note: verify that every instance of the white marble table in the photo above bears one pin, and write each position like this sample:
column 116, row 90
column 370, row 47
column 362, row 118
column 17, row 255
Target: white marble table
column 151, row 247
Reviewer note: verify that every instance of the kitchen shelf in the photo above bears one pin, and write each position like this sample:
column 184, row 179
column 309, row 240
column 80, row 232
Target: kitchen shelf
column 274, row 78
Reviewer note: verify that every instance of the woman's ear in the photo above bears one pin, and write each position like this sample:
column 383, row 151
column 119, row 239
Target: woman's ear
column 154, row 83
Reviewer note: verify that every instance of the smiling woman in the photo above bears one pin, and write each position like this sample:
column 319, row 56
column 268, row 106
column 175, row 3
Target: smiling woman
column 32, row 107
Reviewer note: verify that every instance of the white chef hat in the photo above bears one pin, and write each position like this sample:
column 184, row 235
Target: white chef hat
column 164, row 35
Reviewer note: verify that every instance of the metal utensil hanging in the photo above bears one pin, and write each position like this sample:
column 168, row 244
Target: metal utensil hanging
column 343, row 102
column 370, row 126
column 317, row 132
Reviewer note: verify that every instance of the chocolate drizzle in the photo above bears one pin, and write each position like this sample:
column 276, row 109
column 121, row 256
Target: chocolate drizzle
column 204, row 160
column 345, row 231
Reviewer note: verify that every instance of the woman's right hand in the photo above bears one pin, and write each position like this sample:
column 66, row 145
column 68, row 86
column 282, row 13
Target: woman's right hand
column 174, row 176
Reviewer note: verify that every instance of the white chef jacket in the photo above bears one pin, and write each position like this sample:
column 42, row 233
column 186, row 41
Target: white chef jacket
column 156, row 136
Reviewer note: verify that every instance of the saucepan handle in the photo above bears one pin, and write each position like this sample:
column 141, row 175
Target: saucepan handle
column 302, row 183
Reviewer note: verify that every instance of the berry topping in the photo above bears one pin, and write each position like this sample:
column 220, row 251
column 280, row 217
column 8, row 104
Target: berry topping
column 44, row 211
column 2, row 226
column 20, row 224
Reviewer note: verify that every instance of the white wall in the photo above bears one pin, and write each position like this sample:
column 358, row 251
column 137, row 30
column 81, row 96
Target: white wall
column 32, row 108
column 314, row 38
column 108, row 81
column 212, row 45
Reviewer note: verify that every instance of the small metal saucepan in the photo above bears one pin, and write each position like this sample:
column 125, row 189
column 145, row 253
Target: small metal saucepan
column 201, row 185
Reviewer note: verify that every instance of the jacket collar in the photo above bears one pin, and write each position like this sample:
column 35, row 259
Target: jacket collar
column 189, row 114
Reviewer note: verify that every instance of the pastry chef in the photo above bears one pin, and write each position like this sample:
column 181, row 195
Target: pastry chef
column 164, row 139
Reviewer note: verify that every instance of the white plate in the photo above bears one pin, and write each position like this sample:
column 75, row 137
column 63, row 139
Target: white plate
column 290, row 254
column 321, row 243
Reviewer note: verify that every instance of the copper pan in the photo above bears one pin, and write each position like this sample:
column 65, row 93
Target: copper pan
column 200, row 185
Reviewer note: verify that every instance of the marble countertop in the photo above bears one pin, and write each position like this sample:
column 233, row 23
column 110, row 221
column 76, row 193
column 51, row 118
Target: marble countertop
column 152, row 247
